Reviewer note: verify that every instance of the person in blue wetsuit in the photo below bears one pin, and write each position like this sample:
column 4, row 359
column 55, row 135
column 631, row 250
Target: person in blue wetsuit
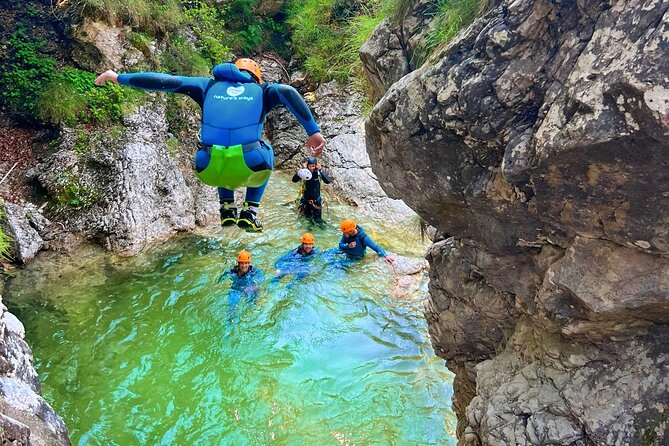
column 354, row 242
column 234, row 106
column 296, row 261
column 246, row 281
column 311, row 203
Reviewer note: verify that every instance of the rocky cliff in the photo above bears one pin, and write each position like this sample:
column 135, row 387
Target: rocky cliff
column 536, row 142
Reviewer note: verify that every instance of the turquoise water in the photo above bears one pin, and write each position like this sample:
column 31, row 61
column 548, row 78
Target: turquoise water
column 149, row 350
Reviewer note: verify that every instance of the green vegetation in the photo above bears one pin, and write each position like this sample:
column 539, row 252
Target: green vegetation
column 33, row 88
column 23, row 73
column 180, row 58
column 326, row 34
column 5, row 239
column 451, row 17
column 74, row 193
column 157, row 17
column 71, row 98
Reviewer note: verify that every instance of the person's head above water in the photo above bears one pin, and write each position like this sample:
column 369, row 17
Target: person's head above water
column 348, row 227
column 250, row 66
column 307, row 242
column 243, row 262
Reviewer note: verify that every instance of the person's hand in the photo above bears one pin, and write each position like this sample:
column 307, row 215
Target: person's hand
column 107, row 76
column 389, row 259
column 318, row 166
column 315, row 144
column 277, row 272
column 352, row 245
column 304, row 165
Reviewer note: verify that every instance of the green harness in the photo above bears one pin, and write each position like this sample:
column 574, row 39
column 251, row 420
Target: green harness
column 228, row 169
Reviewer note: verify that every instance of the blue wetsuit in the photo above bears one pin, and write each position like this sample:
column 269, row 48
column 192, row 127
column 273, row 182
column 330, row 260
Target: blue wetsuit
column 234, row 108
column 295, row 262
column 362, row 242
column 243, row 287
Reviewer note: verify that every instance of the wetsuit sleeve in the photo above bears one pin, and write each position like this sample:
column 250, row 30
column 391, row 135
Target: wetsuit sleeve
column 370, row 244
column 324, row 176
column 343, row 244
column 278, row 94
column 195, row 87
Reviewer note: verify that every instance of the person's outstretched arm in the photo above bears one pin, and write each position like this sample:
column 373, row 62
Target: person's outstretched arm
column 343, row 245
column 276, row 94
column 191, row 86
column 379, row 250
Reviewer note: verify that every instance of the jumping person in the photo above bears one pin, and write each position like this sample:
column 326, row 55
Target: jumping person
column 234, row 106
column 311, row 203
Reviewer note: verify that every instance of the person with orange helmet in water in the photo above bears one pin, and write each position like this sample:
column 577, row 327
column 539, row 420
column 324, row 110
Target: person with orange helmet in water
column 234, row 106
column 354, row 242
column 246, row 281
column 294, row 261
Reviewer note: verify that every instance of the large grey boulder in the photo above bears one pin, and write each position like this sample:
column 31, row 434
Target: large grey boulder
column 537, row 141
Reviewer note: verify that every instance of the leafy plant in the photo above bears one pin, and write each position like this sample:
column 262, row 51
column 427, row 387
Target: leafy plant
column 327, row 34
column 208, row 24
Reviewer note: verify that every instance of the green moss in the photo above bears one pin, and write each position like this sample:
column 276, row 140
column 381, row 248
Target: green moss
column 73, row 192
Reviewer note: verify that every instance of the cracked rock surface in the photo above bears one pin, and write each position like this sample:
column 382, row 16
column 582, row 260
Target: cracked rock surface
column 536, row 142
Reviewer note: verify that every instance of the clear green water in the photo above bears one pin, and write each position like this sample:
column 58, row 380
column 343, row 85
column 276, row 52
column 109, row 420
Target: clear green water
column 146, row 351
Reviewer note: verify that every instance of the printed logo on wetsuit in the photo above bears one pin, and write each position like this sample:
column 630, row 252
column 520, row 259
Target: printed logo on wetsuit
column 235, row 91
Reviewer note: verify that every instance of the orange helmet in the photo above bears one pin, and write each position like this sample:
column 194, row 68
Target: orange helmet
column 348, row 225
column 244, row 256
column 307, row 238
column 251, row 66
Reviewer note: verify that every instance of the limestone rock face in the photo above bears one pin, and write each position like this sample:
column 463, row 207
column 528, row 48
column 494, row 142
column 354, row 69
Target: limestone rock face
column 99, row 46
column 25, row 418
column 536, row 143
column 134, row 193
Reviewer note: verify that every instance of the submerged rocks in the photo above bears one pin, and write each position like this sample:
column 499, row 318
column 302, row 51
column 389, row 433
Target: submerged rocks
column 537, row 141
